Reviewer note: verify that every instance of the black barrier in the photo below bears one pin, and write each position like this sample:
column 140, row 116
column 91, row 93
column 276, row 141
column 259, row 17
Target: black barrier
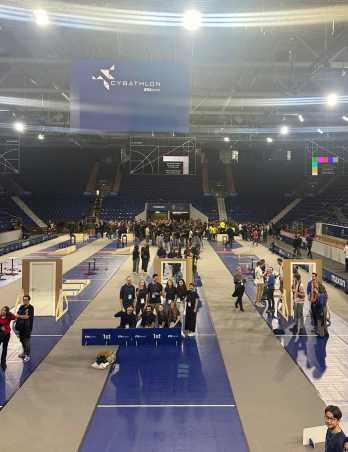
column 11, row 247
column 131, row 336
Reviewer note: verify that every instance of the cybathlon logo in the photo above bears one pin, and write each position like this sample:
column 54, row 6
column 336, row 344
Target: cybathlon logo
column 106, row 76
column 109, row 81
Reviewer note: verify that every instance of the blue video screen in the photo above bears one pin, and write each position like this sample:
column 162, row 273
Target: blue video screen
column 130, row 96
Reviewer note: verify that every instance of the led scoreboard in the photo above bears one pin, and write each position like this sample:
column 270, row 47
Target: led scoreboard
column 324, row 164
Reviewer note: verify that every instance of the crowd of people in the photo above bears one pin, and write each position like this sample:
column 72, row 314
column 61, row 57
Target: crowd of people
column 269, row 284
column 154, row 306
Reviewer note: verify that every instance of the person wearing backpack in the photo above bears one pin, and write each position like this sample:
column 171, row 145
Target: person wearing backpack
column 299, row 297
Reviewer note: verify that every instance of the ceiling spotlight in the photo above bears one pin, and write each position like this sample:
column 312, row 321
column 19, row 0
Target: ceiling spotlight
column 227, row 139
column 320, row 131
column 192, row 20
column 332, row 100
column 345, row 118
column 41, row 17
column 41, row 136
column 284, row 130
column 269, row 140
column 300, row 118
column 19, row 126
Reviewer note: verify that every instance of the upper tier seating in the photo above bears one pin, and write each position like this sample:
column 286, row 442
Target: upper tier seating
column 10, row 213
column 59, row 208
column 254, row 210
column 320, row 207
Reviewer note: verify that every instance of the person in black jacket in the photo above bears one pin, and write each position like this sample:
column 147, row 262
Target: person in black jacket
column 239, row 292
column 128, row 318
column 170, row 294
column 127, row 293
column 192, row 300
column 155, row 289
column 145, row 257
column 136, row 259
column 148, row 319
column 25, row 326
column 142, row 297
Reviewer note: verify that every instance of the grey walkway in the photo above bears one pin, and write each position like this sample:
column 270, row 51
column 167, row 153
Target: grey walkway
column 274, row 398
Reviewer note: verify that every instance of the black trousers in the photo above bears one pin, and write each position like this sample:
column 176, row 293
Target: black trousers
column 4, row 340
column 144, row 264
column 314, row 312
column 270, row 298
column 309, row 254
column 24, row 337
column 239, row 302
column 346, row 264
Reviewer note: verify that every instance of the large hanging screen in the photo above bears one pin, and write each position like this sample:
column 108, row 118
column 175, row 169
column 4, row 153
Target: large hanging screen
column 130, row 96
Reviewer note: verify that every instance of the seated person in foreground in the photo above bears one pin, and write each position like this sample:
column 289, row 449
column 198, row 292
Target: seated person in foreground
column 148, row 319
column 162, row 317
column 174, row 319
column 127, row 318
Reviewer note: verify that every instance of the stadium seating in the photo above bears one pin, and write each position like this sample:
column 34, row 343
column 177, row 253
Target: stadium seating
column 315, row 208
column 121, row 208
column 10, row 213
column 207, row 205
column 258, row 210
column 59, row 208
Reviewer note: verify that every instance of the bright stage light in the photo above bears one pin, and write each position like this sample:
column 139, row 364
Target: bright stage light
column 320, row 131
column 345, row 118
column 41, row 17
column 192, row 20
column 227, row 139
column 19, row 126
column 300, row 118
column 269, row 140
column 332, row 100
column 41, row 136
column 284, row 130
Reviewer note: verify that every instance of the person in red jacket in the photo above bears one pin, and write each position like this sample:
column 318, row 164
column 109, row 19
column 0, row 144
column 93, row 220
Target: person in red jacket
column 6, row 317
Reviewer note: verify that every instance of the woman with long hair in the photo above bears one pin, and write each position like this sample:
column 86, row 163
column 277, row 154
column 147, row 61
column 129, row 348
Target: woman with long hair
column 174, row 318
column 181, row 291
column 170, row 294
column 6, row 317
column 142, row 295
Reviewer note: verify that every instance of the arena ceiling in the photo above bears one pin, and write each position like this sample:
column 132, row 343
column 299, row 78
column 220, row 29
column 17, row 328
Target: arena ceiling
column 247, row 80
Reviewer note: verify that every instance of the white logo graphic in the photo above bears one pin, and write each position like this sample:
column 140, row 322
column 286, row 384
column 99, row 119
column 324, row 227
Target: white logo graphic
column 109, row 81
column 106, row 76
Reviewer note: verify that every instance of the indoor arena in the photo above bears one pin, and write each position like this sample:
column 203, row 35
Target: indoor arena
column 174, row 226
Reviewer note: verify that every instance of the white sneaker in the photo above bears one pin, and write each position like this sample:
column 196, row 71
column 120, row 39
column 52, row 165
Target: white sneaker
column 26, row 358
